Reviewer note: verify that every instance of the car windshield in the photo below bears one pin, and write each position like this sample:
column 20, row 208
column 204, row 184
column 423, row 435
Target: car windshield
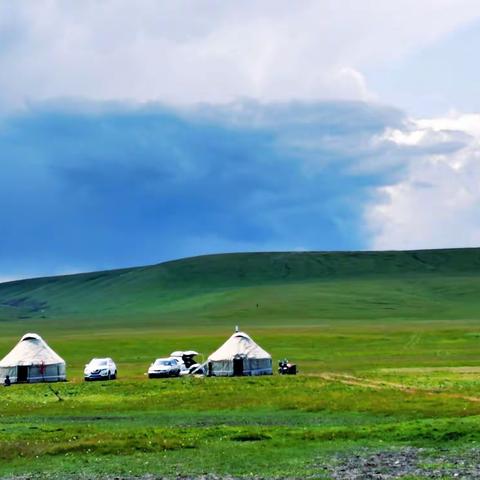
column 163, row 363
column 98, row 363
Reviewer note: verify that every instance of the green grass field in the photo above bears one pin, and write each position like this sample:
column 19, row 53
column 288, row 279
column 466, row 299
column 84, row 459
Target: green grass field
column 388, row 346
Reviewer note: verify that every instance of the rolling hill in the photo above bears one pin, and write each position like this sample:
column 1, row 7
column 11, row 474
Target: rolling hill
column 387, row 346
column 258, row 288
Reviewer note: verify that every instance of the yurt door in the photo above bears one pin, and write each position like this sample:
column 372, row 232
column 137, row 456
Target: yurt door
column 22, row 373
column 238, row 367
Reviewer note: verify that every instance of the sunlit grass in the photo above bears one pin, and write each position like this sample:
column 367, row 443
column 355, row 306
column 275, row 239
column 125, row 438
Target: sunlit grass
column 385, row 361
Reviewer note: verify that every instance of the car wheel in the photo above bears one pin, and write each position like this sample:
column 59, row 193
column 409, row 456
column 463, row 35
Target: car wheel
column 114, row 376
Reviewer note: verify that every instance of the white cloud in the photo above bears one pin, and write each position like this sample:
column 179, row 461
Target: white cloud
column 210, row 50
column 437, row 203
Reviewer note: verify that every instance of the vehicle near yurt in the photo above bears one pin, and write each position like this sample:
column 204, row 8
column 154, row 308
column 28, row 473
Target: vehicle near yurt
column 100, row 369
column 31, row 361
column 239, row 356
column 164, row 367
column 187, row 362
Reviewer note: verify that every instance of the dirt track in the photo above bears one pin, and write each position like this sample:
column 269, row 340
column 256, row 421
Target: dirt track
column 379, row 385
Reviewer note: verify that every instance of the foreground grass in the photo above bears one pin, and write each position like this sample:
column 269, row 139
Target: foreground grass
column 387, row 345
column 362, row 385
column 194, row 426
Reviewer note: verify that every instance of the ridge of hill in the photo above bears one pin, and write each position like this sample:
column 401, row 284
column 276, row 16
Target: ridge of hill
column 291, row 285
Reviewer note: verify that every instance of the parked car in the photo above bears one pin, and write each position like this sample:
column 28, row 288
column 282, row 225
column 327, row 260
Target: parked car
column 100, row 369
column 164, row 367
column 187, row 362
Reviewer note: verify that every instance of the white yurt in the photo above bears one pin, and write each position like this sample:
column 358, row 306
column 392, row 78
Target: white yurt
column 238, row 356
column 32, row 360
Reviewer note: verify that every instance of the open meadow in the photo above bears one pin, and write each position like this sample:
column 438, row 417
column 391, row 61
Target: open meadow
column 388, row 347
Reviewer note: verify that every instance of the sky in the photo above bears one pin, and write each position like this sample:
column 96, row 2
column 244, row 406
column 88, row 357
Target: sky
column 135, row 133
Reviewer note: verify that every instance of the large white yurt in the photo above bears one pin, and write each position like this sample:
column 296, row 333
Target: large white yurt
column 32, row 360
column 238, row 356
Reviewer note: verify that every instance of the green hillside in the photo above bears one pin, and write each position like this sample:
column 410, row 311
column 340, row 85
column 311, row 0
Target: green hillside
column 387, row 346
column 280, row 288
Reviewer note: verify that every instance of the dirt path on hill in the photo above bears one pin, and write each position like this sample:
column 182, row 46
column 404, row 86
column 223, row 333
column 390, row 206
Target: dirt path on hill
column 380, row 384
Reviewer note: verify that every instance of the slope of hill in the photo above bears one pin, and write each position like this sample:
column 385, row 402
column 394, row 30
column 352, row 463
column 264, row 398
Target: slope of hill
column 295, row 287
column 387, row 346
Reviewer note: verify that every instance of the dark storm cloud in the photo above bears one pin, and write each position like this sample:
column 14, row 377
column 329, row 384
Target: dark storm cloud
column 99, row 186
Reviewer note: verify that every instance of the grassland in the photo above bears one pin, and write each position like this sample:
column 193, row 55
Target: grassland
column 387, row 344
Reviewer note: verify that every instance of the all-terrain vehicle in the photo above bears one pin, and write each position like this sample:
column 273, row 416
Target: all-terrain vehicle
column 287, row 368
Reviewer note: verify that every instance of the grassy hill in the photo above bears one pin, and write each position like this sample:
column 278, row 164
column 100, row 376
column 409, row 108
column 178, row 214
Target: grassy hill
column 252, row 288
column 387, row 345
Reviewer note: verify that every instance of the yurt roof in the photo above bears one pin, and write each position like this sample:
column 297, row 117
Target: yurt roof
column 239, row 344
column 31, row 350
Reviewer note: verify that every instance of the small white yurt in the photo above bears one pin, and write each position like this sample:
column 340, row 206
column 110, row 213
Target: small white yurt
column 238, row 356
column 32, row 360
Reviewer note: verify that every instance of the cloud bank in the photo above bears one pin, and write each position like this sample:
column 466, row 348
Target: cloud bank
column 100, row 186
column 135, row 135
column 212, row 51
column 90, row 186
column 437, row 204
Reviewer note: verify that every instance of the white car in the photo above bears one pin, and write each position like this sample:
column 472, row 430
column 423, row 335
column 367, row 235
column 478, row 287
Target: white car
column 187, row 362
column 100, row 369
column 164, row 367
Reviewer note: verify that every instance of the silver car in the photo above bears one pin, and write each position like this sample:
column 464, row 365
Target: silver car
column 164, row 367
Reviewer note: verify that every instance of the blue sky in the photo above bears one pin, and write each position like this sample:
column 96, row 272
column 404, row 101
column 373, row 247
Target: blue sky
column 136, row 135
column 435, row 79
